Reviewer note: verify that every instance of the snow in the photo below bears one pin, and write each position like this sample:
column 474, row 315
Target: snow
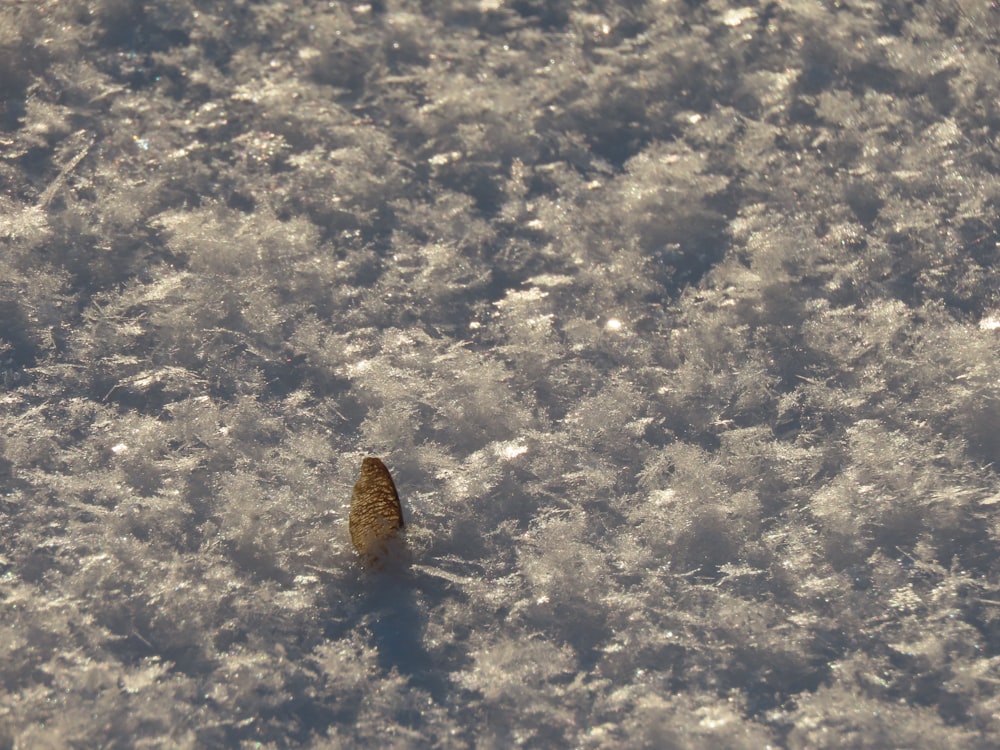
column 675, row 324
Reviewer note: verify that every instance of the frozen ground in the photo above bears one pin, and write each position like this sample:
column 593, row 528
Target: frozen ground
column 676, row 322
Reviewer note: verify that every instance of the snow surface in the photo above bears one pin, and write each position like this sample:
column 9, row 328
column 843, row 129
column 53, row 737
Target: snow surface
column 674, row 321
